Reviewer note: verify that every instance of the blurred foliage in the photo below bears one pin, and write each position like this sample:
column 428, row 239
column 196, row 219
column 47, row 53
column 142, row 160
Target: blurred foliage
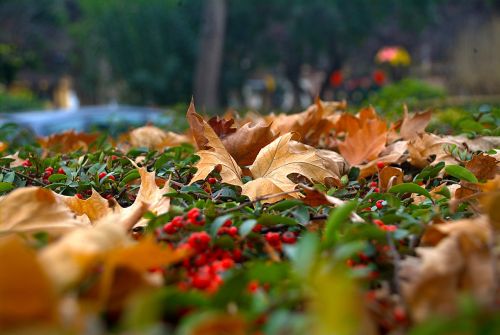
column 471, row 119
column 18, row 100
column 391, row 98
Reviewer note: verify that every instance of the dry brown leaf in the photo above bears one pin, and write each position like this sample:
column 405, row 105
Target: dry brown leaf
column 67, row 141
column 33, row 209
column 275, row 162
column 246, row 142
column 392, row 154
column 427, row 148
column 95, row 207
column 220, row 324
column 214, row 154
column 67, row 260
column 222, row 127
column 18, row 161
column 412, row 126
column 483, row 166
column 390, row 176
column 332, row 161
column 27, row 295
column 154, row 138
column 459, row 261
column 3, row 146
column 365, row 143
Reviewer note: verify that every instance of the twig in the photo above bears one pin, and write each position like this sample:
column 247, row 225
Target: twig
column 24, row 176
column 264, row 197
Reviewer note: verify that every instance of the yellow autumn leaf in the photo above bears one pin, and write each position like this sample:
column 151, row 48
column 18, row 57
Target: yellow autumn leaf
column 215, row 153
column 34, row 209
column 276, row 162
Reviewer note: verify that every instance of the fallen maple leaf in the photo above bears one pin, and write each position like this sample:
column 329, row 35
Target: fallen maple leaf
column 412, row 126
column 154, row 138
column 483, row 166
column 67, row 141
column 244, row 144
column 34, row 209
column 276, row 162
column 393, row 153
column 222, row 127
column 427, row 148
column 365, row 143
column 214, row 153
column 458, row 260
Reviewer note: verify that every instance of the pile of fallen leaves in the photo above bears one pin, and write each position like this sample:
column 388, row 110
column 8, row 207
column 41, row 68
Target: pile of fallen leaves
column 321, row 222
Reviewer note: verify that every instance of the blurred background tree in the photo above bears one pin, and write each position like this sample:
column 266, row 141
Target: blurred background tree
column 158, row 52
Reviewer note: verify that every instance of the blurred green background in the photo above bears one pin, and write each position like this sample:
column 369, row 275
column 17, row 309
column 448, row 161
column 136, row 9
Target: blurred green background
column 262, row 55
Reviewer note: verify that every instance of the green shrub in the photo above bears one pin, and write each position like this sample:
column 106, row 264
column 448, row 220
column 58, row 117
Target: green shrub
column 391, row 98
column 18, row 101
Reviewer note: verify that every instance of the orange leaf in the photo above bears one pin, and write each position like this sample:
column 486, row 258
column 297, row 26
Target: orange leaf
column 410, row 127
column 67, row 141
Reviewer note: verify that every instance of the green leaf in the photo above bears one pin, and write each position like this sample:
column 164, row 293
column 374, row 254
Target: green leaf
column 247, row 226
column 271, row 220
column 336, row 220
column 285, row 204
column 461, row 173
column 4, row 187
column 304, row 255
column 132, row 175
column 58, row 177
column 409, row 188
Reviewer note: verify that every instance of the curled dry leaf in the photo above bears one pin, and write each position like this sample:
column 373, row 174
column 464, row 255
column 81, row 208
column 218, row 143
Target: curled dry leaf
column 154, row 138
column 27, row 295
column 390, row 176
column 412, row 126
column 33, row 209
column 246, row 142
column 275, row 162
column 67, row 141
column 483, row 166
column 17, row 161
column 427, row 148
column 457, row 260
column 394, row 153
column 213, row 154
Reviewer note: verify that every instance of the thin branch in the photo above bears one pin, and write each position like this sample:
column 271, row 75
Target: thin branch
column 24, row 176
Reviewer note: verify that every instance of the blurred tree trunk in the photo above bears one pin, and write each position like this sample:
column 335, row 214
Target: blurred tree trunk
column 210, row 54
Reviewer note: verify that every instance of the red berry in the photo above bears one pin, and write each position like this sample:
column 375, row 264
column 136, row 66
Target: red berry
column 237, row 254
column 27, row 163
column 223, row 230
column 169, row 228
column 253, row 286
column 109, row 196
column 102, row 175
column 389, row 228
column 50, row 170
column 111, row 177
column 233, row 231
column 289, row 237
column 60, row 171
column 380, row 165
column 376, row 190
column 373, row 184
column 113, row 157
column 379, row 223
column 399, row 314
column 212, row 180
column 228, row 223
column 227, row 263
column 195, row 217
column 257, row 228
column 201, row 260
column 379, row 204
column 199, row 241
column 79, row 196
column 177, row 221
column 201, row 280
column 273, row 238
column 349, row 262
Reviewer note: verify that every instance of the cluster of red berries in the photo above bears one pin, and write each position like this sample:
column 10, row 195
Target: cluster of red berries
column 373, row 186
column 49, row 172
column 275, row 239
column 385, row 227
column 194, row 217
